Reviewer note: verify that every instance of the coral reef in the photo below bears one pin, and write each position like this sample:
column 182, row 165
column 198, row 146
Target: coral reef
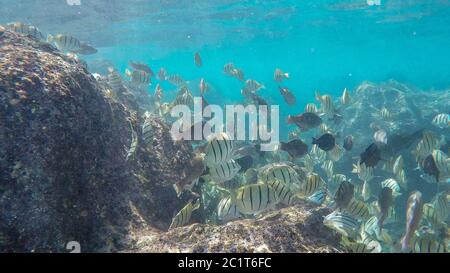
column 298, row 228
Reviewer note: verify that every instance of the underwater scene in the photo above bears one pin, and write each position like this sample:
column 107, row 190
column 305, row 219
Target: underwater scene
column 225, row 126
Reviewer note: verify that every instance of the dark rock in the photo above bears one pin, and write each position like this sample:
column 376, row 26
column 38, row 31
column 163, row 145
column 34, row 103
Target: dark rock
column 63, row 145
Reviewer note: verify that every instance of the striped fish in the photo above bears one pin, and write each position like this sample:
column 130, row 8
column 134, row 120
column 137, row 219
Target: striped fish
column 358, row 209
column 401, row 178
column 279, row 75
column 138, row 77
column 65, row 42
column 364, row 173
column 219, row 149
column 326, row 104
column 317, row 154
column 373, row 245
column 323, row 129
column 228, row 69
column 115, row 81
column 26, row 29
column 311, row 108
column 426, row 244
column 284, row 193
column 343, row 223
column 442, row 206
column 366, row 246
column 345, row 97
column 238, row 74
column 441, row 160
column 253, row 86
column 388, row 166
column 183, row 217
column 313, row 183
column 227, row 210
column 162, row 74
column 430, row 214
column 223, row 172
column 393, row 185
column 176, row 80
column 336, row 153
column 251, row 199
column 279, row 171
column 371, row 228
column 184, row 97
column 385, row 114
column 398, row 164
column 426, row 145
column 442, row 120
column 328, row 168
column 318, row 197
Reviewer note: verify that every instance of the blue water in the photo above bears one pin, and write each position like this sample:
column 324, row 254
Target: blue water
column 324, row 45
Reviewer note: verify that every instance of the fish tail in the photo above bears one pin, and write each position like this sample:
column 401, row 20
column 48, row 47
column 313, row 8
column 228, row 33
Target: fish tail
column 128, row 72
column 286, row 75
column 314, row 140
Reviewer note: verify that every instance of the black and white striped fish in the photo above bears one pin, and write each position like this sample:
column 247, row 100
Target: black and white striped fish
column 284, row 193
column 358, row 209
column 176, row 80
column 313, row 183
column 252, row 199
column 138, row 77
column 183, row 217
column 343, row 223
column 65, row 42
column 115, row 81
column 442, row 120
column 227, row 210
column 223, row 172
column 219, row 149
column 25, row 29
column 280, row 171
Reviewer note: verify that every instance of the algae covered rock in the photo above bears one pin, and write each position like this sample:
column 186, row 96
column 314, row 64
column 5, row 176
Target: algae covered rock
column 64, row 173
column 294, row 229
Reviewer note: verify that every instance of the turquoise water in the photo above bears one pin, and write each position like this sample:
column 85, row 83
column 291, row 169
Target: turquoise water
column 324, row 45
